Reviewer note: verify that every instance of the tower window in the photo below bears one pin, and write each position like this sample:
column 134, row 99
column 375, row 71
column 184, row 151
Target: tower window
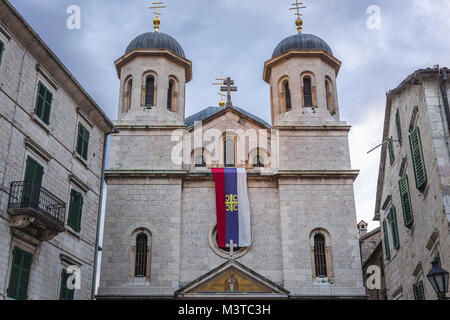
column 329, row 96
column 141, row 255
column 200, row 162
column 127, row 96
column 150, row 91
column 307, row 92
column 287, row 96
column 258, row 161
column 170, row 96
column 320, row 255
column 229, row 152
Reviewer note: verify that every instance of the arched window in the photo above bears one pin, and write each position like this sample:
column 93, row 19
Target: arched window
column 200, row 161
column 127, row 96
column 329, row 96
column 170, row 97
column 258, row 161
column 320, row 255
column 307, row 92
column 141, row 255
column 229, row 152
column 150, row 91
column 287, row 96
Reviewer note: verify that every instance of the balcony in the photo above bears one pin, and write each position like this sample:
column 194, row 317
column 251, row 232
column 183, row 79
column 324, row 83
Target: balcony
column 35, row 210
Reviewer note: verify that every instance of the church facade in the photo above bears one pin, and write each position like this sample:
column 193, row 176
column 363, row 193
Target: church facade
column 160, row 236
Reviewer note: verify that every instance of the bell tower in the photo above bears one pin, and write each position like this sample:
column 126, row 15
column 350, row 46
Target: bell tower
column 302, row 77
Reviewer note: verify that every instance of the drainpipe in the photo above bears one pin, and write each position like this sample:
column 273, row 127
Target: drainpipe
column 97, row 235
column 445, row 97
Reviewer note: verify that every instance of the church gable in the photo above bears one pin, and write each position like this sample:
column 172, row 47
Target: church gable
column 232, row 278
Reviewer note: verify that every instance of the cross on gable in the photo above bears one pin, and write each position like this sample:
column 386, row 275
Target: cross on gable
column 228, row 87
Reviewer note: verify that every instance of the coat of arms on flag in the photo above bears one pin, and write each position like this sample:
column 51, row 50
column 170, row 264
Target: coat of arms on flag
column 233, row 207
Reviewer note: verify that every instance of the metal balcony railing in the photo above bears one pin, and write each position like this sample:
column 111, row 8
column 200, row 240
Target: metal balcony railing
column 32, row 198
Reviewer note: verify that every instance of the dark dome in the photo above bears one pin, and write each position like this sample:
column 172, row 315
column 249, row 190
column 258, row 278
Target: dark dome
column 155, row 40
column 301, row 41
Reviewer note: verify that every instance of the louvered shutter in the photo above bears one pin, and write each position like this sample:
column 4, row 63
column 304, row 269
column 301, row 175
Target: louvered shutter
column 394, row 227
column 406, row 201
column 386, row 241
column 20, row 274
column 417, row 159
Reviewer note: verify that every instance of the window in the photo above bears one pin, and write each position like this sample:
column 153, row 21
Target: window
column 386, row 241
column 200, row 161
column 229, row 151
column 420, row 172
column 127, row 96
column 64, row 292
column 2, row 48
column 320, row 255
column 329, row 96
column 82, row 141
column 34, row 173
column 258, row 161
column 394, row 228
column 150, row 91
column 419, row 293
column 20, row 274
column 399, row 126
column 406, row 201
column 141, row 255
column 170, row 96
column 75, row 210
column 391, row 151
column 43, row 103
column 287, row 96
column 307, row 92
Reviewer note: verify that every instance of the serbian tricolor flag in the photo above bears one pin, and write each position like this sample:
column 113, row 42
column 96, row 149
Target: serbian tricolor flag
column 233, row 207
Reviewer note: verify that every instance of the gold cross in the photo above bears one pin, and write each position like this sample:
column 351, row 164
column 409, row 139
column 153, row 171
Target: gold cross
column 220, row 83
column 157, row 6
column 231, row 203
column 299, row 22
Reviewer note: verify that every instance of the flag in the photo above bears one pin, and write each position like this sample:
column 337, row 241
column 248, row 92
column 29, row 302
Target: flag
column 233, row 207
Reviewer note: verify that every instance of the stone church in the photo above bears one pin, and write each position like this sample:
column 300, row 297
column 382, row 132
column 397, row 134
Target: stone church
column 160, row 236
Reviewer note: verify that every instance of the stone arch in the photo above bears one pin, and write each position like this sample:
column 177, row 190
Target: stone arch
column 238, row 157
column 317, row 257
column 285, row 94
column 262, row 153
column 203, row 152
column 127, row 91
column 173, row 94
column 330, row 95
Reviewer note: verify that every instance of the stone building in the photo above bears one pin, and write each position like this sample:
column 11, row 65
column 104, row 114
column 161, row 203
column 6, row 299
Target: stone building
column 372, row 255
column 52, row 142
column 413, row 195
column 160, row 220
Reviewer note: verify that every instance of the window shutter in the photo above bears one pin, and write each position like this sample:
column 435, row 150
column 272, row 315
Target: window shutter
column 20, row 274
column 386, row 241
column 417, row 159
column 65, row 293
column 82, row 141
column 399, row 127
column 75, row 208
column 86, row 144
column 43, row 103
column 406, row 201
column 2, row 48
column 419, row 293
column 47, row 107
column 34, row 172
column 391, row 151
column 394, row 227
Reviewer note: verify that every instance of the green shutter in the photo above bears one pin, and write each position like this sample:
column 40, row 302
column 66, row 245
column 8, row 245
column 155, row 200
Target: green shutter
column 34, row 173
column 75, row 210
column 399, row 127
column 64, row 292
column 418, row 161
column 20, row 274
column 394, row 227
column 82, row 141
column 386, row 241
column 419, row 293
column 406, row 201
column 391, row 151
column 43, row 103
column 2, row 48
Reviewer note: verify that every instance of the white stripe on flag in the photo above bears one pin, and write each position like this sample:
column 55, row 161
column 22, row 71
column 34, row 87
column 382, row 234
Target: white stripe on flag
column 245, row 235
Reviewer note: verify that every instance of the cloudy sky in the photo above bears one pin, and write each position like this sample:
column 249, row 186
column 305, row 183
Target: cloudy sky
column 237, row 37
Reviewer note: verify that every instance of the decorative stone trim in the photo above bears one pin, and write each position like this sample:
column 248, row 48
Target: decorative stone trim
column 36, row 148
column 80, row 184
column 5, row 31
column 77, row 156
column 38, row 120
column 44, row 73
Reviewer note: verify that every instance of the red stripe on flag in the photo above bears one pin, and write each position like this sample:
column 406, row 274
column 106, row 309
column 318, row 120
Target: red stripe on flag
column 219, row 178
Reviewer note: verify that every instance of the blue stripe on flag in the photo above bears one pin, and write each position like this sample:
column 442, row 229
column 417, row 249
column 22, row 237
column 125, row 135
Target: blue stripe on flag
column 231, row 206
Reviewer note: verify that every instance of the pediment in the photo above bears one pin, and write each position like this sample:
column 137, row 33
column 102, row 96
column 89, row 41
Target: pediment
column 232, row 279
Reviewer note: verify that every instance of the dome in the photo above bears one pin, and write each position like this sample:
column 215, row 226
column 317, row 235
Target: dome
column 301, row 41
column 156, row 40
